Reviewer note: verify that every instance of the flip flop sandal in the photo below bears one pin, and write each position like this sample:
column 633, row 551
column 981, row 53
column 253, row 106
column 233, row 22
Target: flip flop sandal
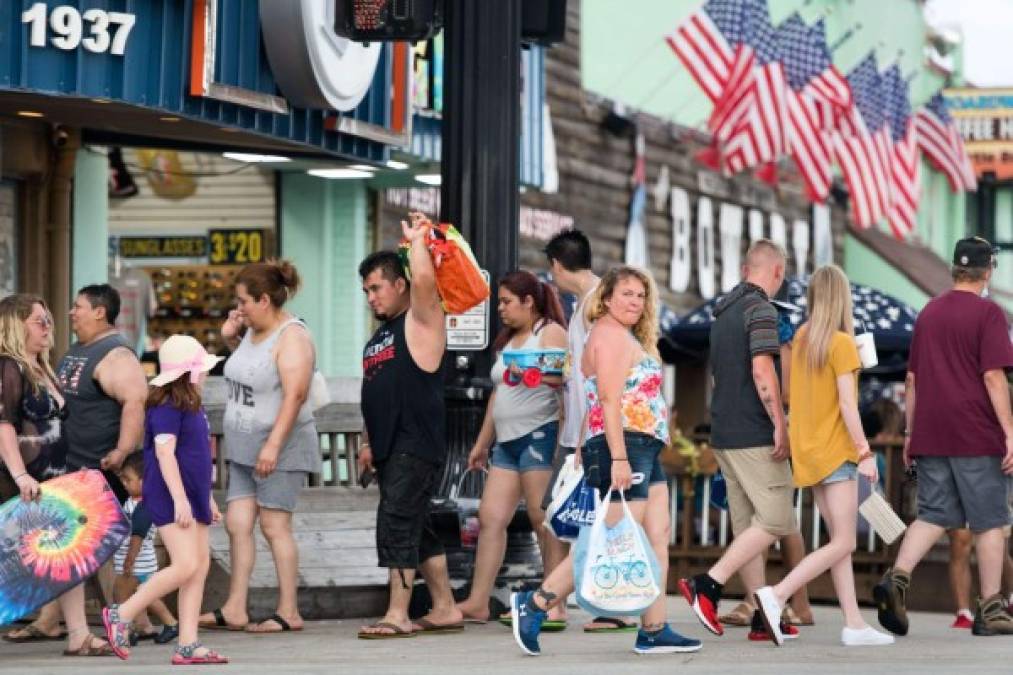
column 616, row 625
column 89, row 648
column 185, row 656
column 427, row 626
column 397, row 632
column 285, row 626
column 742, row 615
column 220, row 623
column 33, row 633
column 792, row 619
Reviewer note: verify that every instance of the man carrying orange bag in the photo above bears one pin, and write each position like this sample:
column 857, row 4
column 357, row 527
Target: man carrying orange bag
column 459, row 279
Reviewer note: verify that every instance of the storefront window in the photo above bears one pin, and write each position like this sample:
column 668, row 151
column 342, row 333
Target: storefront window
column 178, row 243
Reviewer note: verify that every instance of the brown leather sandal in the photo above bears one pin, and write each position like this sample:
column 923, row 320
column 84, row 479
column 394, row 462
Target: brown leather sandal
column 742, row 615
column 89, row 647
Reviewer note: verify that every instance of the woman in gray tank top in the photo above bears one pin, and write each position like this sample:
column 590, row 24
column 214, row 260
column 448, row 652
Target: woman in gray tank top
column 523, row 421
column 270, row 438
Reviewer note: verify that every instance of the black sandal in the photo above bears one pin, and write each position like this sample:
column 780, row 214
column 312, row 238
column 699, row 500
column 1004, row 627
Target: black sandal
column 220, row 623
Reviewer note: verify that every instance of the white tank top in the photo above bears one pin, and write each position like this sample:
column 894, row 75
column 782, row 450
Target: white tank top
column 573, row 394
column 519, row 410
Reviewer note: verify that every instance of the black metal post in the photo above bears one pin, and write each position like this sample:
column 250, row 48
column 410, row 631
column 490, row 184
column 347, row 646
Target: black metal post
column 481, row 139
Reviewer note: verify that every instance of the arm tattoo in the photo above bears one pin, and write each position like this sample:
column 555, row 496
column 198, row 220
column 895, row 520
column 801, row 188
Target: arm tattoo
column 768, row 402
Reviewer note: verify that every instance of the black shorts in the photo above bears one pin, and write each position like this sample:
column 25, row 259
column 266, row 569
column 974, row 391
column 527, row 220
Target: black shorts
column 404, row 530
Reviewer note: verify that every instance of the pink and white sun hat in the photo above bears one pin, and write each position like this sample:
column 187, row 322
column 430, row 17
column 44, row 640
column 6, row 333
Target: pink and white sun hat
column 182, row 354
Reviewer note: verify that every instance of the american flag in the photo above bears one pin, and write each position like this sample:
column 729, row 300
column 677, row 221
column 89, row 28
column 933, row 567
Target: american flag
column 856, row 147
column 941, row 142
column 806, row 62
column 905, row 164
column 706, row 42
column 760, row 135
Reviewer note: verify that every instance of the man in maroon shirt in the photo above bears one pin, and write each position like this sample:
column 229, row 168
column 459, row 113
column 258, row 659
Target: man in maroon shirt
column 960, row 433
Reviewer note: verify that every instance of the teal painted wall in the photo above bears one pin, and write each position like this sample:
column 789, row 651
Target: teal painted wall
column 1003, row 277
column 324, row 232
column 864, row 266
column 89, row 264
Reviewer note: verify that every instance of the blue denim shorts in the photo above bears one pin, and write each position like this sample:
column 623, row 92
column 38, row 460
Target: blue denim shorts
column 846, row 471
column 530, row 452
column 643, row 452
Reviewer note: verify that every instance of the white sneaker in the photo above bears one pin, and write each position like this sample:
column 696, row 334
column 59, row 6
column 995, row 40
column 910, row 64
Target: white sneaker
column 864, row 637
column 770, row 611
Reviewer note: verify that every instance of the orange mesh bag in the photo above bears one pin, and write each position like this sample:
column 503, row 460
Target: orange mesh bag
column 459, row 279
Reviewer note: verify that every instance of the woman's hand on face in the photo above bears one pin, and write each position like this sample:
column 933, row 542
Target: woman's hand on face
column 233, row 324
column 622, row 475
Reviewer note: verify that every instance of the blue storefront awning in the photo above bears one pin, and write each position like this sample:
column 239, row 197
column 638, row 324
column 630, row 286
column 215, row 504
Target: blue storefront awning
column 155, row 72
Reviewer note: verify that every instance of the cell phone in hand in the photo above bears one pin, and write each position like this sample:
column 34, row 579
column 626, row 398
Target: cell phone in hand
column 366, row 478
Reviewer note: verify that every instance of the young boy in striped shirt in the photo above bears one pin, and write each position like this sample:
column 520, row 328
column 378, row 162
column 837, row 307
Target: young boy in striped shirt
column 135, row 560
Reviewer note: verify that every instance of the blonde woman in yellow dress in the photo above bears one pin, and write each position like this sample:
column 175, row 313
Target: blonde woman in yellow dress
column 829, row 451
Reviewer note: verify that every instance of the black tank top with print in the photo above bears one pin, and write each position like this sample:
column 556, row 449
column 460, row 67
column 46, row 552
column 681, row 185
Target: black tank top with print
column 402, row 405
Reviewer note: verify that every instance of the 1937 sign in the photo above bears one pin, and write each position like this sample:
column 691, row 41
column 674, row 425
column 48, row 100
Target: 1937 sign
column 107, row 31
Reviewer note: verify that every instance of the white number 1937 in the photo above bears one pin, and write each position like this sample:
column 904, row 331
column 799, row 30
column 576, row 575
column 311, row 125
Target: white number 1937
column 107, row 31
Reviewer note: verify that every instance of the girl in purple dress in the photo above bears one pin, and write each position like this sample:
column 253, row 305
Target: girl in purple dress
column 177, row 494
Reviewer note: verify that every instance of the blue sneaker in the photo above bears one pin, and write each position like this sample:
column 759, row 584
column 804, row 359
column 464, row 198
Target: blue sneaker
column 527, row 622
column 665, row 641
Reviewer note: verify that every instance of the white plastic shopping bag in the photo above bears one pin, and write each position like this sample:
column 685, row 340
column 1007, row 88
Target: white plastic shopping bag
column 573, row 503
column 615, row 570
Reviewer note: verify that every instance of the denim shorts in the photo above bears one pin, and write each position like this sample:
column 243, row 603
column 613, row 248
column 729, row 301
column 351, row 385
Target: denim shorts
column 143, row 578
column 530, row 452
column 643, row 451
column 846, row 471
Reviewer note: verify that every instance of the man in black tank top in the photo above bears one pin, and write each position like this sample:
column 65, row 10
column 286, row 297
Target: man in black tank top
column 404, row 437
column 104, row 385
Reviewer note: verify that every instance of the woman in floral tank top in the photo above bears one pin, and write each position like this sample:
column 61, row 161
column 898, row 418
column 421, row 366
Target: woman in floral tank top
column 626, row 428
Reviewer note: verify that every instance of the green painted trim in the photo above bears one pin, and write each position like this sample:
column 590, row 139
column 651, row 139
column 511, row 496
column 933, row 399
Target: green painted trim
column 324, row 230
column 864, row 266
column 90, row 250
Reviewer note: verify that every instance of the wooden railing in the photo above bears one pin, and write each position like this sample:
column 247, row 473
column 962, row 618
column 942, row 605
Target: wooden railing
column 339, row 426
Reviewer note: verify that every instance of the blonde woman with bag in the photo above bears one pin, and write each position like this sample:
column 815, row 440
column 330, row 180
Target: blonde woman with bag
column 829, row 451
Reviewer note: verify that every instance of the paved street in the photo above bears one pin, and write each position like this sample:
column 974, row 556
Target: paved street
column 331, row 646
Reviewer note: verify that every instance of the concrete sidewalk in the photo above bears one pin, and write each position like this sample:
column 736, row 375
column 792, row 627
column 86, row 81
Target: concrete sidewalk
column 331, row 646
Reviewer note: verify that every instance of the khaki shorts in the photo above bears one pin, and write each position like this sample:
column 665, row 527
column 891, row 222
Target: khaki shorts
column 760, row 491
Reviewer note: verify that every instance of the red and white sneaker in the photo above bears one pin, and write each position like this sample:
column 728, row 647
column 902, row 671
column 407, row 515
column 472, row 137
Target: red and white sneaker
column 704, row 603
column 964, row 620
column 758, row 631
